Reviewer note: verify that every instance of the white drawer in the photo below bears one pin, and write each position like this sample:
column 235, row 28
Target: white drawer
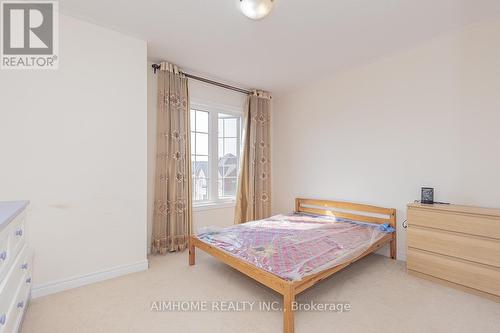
column 12, row 290
column 5, row 254
column 16, row 310
column 12, row 239
column 17, row 233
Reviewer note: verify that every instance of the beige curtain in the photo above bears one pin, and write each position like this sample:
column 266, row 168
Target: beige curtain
column 172, row 220
column 253, row 199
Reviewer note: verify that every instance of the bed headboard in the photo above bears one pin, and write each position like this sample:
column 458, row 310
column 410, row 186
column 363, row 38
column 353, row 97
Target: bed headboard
column 347, row 210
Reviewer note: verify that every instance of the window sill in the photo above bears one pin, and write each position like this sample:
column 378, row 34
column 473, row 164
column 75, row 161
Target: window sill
column 213, row 205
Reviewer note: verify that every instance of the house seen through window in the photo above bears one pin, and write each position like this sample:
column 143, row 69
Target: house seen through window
column 215, row 149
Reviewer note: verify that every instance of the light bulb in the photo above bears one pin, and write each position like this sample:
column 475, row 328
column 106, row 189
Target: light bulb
column 256, row 9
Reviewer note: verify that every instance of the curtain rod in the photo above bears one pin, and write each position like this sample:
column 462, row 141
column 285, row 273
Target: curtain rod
column 215, row 83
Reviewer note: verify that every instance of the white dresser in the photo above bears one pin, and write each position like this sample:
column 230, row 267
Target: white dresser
column 15, row 265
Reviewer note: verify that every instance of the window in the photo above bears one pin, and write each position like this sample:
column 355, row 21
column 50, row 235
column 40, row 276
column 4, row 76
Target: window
column 215, row 154
column 199, row 155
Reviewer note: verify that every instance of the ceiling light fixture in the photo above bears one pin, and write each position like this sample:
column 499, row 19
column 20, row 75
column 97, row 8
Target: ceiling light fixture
column 256, row 9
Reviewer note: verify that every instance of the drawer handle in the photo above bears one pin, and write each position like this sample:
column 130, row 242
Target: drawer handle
column 28, row 280
column 19, row 232
column 20, row 305
column 24, row 266
column 2, row 319
column 3, row 255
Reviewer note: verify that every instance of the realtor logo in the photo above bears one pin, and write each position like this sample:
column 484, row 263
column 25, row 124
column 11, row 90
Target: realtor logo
column 29, row 35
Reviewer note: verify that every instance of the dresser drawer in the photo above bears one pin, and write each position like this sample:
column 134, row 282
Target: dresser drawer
column 476, row 276
column 17, row 233
column 16, row 309
column 5, row 254
column 19, row 276
column 469, row 224
column 473, row 248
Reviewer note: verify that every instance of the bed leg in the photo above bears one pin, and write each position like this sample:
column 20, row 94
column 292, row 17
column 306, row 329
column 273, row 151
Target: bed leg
column 393, row 243
column 393, row 247
column 192, row 253
column 288, row 317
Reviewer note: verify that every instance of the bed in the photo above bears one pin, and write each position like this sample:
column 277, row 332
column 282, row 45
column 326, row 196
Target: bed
column 291, row 253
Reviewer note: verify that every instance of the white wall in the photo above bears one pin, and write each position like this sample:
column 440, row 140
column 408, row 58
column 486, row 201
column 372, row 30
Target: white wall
column 376, row 134
column 73, row 141
column 200, row 93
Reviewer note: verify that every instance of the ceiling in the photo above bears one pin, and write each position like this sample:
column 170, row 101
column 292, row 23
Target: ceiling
column 298, row 42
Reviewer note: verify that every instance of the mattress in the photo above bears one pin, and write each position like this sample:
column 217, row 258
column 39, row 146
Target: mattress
column 296, row 245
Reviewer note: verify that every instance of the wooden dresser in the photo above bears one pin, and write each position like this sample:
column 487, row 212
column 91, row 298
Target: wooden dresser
column 456, row 245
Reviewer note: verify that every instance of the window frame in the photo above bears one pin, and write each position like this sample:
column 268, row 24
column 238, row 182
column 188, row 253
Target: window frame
column 213, row 110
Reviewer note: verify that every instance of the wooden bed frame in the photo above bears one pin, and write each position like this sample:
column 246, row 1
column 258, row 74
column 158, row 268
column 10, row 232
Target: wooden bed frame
column 289, row 289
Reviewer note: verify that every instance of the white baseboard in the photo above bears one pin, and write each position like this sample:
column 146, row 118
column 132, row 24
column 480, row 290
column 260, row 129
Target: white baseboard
column 78, row 281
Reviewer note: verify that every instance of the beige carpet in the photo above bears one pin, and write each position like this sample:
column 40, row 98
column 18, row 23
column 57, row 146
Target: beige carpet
column 382, row 296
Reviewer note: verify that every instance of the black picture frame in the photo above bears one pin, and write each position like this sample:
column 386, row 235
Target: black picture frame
column 427, row 195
